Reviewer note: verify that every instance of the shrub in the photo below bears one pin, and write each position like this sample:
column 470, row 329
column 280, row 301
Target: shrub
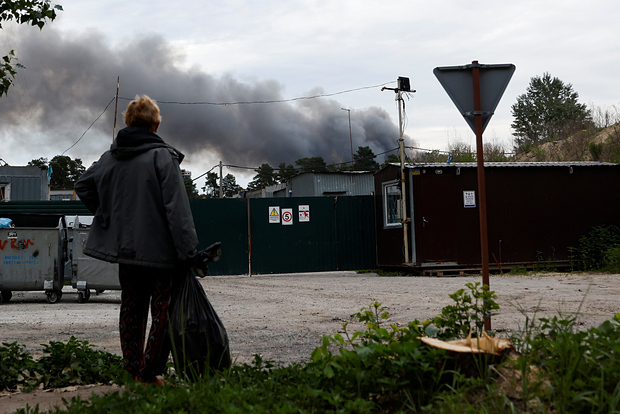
column 593, row 247
column 612, row 260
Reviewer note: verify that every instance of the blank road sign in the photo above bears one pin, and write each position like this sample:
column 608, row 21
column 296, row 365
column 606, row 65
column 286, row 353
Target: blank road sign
column 459, row 84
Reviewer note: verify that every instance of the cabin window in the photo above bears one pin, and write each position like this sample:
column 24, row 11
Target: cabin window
column 392, row 211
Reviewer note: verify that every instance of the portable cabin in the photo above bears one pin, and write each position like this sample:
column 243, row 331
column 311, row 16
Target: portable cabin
column 23, row 183
column 535, row 212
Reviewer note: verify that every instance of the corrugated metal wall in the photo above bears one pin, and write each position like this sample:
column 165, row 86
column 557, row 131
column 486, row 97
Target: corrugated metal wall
column 535, row 212
column 27, row 183
column 339, row 235
column 321, row 184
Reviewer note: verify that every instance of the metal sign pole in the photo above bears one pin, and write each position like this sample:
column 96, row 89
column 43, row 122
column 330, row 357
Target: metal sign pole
column 482, row 194
column 401, row 145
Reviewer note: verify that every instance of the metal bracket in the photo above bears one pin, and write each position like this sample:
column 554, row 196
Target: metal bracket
column 474, row 113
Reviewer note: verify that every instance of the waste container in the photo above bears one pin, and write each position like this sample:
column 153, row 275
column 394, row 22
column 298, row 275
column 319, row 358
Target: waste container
column 89, row 273
column 34, row 255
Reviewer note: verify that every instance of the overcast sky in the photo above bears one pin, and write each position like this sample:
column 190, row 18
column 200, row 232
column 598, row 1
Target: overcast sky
column 187, row 52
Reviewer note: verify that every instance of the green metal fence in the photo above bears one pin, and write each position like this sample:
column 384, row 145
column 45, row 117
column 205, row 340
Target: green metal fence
column 224, row 220
column 333, row 233
column 270, row 235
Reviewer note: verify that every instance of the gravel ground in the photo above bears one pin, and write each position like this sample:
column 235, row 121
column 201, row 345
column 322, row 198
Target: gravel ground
column 283, row 317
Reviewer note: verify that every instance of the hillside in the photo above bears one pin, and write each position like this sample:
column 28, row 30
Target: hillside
column 586, row 145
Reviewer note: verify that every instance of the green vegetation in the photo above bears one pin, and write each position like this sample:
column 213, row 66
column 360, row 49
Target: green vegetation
column 598, row 249
column 32, row 12
column 549, row 110
column 65, row 171
column 380, row 368
column 75, row 362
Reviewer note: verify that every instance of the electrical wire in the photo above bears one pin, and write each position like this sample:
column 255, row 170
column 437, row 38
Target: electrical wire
column 202, row 175
column 231, row 103
column 268, row 101
column 280, row 169
column 90, row 126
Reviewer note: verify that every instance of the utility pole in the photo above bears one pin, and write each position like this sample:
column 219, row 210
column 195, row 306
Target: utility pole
column 350, row 138
column 403, row 86
column 118, row 85
column 221, row 183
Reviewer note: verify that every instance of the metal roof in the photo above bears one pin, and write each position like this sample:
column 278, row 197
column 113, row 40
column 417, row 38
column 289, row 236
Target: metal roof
column 508, row 164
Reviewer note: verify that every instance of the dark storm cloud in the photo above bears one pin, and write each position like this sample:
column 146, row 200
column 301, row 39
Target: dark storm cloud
column 72, row 78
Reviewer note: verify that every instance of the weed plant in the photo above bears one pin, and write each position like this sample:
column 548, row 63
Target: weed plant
column 385, row 368
column 63, row 364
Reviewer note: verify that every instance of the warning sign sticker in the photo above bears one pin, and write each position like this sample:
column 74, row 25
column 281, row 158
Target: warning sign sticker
column 304, row 214
column 287, row 216
column 274, row 214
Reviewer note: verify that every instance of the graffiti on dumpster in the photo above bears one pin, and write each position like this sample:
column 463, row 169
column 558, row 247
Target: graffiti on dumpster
column 16, row 244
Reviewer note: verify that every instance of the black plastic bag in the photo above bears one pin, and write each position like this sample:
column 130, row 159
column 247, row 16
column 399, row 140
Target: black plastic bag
column 199, row 339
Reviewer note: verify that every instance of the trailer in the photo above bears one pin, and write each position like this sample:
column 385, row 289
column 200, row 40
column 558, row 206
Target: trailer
column 536, row 211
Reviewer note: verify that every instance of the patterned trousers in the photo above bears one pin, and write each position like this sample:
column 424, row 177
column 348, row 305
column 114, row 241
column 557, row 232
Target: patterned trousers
column 141, row 285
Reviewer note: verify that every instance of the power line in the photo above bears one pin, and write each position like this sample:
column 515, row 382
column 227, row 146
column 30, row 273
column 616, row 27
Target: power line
column 280, row 169
column 231, row 103
column 267, row 101
column 100, row 115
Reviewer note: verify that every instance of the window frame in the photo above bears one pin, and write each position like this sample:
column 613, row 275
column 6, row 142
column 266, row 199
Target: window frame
column 396, row 221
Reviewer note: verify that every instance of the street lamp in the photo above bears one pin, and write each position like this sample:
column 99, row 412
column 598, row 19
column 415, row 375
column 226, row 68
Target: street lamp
column 350, row 137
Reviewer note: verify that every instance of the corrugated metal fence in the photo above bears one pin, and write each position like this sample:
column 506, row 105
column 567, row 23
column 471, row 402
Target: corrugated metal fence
column 276, row 235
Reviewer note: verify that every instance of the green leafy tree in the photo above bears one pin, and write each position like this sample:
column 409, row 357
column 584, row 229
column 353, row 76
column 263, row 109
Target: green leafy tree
column 285, row 172
column 230, row 186
column 311, row 164
column 391, row 159
column 65, row 171
column 265, row 176
column 548, row 110
column 430, row 156
column 190, row 188
column 364, row 160
column 211, row 188
column 33, row 12
column 461, row 152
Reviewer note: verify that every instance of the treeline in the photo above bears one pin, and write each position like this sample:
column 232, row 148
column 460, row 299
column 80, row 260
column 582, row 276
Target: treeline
column 266, row 175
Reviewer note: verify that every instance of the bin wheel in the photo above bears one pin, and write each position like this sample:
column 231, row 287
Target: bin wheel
column 5, row 296
column 84, row 295
column 53, row 296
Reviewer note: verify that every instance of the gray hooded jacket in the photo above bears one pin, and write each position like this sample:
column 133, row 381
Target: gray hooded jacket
column 137, row 194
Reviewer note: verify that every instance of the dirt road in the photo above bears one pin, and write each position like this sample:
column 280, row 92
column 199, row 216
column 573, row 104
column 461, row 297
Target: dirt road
column 283, row 317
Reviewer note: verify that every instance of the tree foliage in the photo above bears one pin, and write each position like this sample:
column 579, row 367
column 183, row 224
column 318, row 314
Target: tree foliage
column 285, row 172
column 65, row 171
column 190, row 188
column 364, row 160
column 265, row 176
column 311, row 164
column 33, row 12
column 211, row 188
column 548, row 110
column 230, row 186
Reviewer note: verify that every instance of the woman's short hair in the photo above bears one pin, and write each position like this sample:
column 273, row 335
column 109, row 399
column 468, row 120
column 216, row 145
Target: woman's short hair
column 142, row 112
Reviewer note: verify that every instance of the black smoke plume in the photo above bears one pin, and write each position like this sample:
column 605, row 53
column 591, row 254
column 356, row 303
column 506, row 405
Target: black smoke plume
column 69, row 79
